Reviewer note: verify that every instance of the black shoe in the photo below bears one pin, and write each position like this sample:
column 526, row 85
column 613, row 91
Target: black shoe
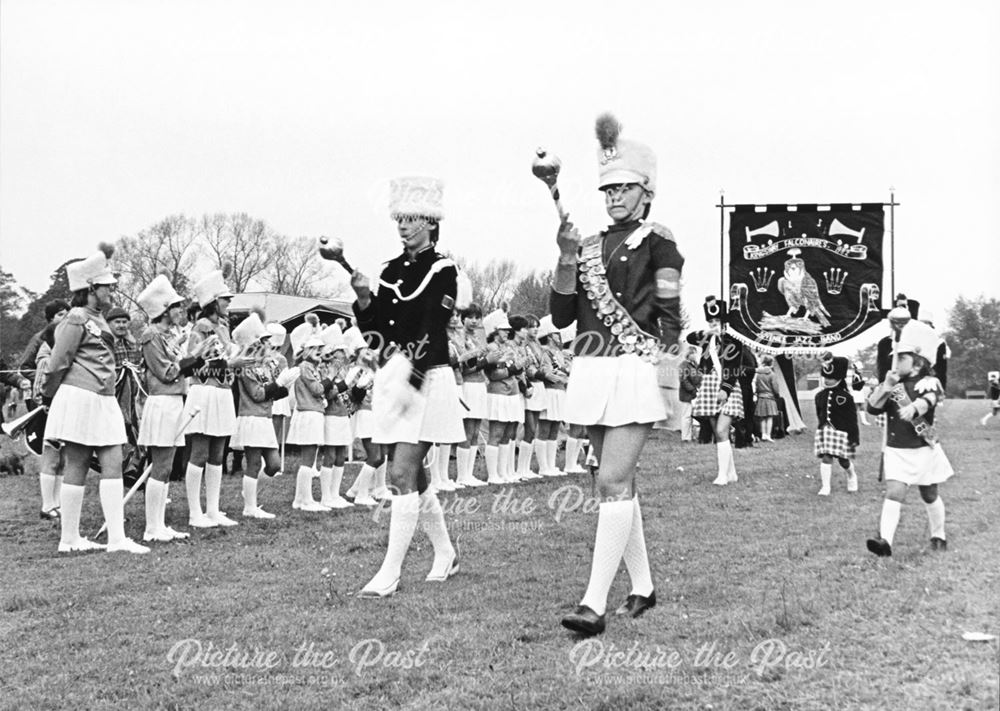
column 939, row 544
column 635, row 605
column 584, row 621
column 880, row 547
column 50, row 515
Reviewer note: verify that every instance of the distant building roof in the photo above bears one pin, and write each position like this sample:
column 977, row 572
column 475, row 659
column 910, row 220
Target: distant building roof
column 283, row 308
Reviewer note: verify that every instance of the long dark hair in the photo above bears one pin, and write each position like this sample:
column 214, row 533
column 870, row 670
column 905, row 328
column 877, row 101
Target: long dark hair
column 80, row 298
column 208, row 310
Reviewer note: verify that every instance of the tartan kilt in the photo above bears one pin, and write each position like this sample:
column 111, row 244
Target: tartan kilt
column 832, row 442
column 706, row 405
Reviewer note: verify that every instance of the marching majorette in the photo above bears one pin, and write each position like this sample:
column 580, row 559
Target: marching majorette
column 504, row 408
column 259, row 387
column 306, row 428
column 535, row 374
column 416, row 401
column 993, row 393
column 837, row 435
column 83, row 412
column 472, row 358
column 719, row 401
column 622, row 287
column 369, row 486
column 209, row 403
column 556, row 376
column 338, row 436
column 281, row 409
column 912, row 456
column 161, row 428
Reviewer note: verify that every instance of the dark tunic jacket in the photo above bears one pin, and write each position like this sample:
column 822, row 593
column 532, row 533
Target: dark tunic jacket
column 835, row 406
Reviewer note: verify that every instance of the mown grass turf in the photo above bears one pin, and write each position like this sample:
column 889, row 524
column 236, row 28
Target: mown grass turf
column 742, row 573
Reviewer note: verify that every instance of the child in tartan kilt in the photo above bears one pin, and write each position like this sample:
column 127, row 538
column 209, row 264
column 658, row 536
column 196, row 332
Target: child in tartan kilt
column 837, row 435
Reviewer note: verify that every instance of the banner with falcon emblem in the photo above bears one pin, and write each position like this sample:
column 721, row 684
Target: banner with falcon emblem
column 804, row 277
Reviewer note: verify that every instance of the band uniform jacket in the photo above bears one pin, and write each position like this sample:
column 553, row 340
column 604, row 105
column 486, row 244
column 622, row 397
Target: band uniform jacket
column 411, row 309
column 731, row 358
column 835, row 406
column 83, row 355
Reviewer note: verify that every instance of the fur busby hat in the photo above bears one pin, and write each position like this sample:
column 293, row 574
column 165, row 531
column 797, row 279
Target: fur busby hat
column 158, row 297
column 250, row 329
column 919, row 338
column 92, row 271
column 416, row 196
column 212, row 286
column 715, row 309
column 621, row 160
column 835, row 368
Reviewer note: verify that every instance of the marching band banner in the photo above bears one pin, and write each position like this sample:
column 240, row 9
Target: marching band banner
column 802, row 278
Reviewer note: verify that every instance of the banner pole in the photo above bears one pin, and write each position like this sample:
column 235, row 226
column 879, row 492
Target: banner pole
column 892, row 243
column 722, row 246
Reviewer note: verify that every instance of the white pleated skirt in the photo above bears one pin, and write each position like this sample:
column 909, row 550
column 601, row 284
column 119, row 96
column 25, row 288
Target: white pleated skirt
column 254, row 432
column 922, row 466
column 555, row 409
column 363, row 424
column 474, row 396
column 539, row 399
column 337, row 431
column 435, row 415
column 282, row 407
column 162, row 420
column 504, row 408
column 613, row 391
column 217, row 414
column 306, row 428
column 84, row 417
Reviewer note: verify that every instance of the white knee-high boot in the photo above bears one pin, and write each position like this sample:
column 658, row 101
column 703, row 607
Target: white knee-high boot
column 402, row 524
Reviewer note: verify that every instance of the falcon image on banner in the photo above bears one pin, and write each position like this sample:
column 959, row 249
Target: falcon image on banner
column 802, row 278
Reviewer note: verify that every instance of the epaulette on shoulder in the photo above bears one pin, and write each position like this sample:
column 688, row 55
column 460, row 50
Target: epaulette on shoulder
column 77, row 316
column 148, row 335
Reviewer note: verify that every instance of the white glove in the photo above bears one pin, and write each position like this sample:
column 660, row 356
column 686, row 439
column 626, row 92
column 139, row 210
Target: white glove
column 287, row 376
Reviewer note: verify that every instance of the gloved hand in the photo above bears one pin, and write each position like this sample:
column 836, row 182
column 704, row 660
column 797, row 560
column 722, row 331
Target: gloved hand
column 288, row 376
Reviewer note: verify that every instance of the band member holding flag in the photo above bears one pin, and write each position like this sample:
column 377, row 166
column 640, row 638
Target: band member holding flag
column 416, row 400
column 83, row 412
column 622, row 286
column 162, row 422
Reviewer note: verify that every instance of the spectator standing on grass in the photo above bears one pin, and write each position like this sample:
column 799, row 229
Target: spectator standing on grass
column 55, row 311
column 912, row 456
column 993, row 393
column 50, row 466
column 766, row 407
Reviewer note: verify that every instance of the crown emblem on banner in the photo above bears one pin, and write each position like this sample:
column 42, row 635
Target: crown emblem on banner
column 835, row 278
column 762, row 277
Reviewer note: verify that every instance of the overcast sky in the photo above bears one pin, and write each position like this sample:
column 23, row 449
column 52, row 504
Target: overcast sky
column 114, row 115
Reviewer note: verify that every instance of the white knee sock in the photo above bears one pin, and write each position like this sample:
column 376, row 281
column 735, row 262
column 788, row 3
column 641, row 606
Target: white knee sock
column 69, row 513
column 511, row 456
column 890, row 519
column 935, row 516
column 303, row 486
column 155, row 495
column 336, row 480
column 47, row 484
column 551, row 448
column 213, row 488
column 326, row 483
column 724, row 451
column 402, row 523
column 379, row 476
column 825, row 472
column 249, row 494
column 113, row 509
column 192, row 484
column 444, row 451
column 614, row 525
column 572, row 453
column 503, row 457
column 524, row 450
column 492, row 464
column 431, row 520
column 636, row 557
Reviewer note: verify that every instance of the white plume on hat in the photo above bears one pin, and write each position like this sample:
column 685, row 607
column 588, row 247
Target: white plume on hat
column 494, row 321
column 546, row 327
column 416, row 195
column 250, row 329
column 158, row 296
column 94, row 270
column 622, row 160
column 210, row 287
column 354, row 339
column 278, row 333
column 917, row 337
column 463, row 295
column 333, row 338
column 304, row 336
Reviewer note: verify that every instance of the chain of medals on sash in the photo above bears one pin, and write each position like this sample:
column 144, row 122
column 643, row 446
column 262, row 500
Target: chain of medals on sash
column 593, row 274
column 923, row 428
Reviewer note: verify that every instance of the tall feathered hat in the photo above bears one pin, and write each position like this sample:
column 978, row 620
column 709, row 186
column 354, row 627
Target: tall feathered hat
column 621, row 160
column 213, row 286
column 92, row 271
column 304, row 336
column 333, row 338
column 250, row 329
column 159, row 296
column 715, row 309
column 416, row 196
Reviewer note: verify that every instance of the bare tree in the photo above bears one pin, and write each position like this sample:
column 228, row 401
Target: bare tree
column 168, row 248
column 530, row 294
column 296, row 269
column 241, row 241
column 493, row 284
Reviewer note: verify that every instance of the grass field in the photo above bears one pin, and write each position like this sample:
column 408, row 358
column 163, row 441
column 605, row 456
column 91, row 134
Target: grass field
column 767, row 598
